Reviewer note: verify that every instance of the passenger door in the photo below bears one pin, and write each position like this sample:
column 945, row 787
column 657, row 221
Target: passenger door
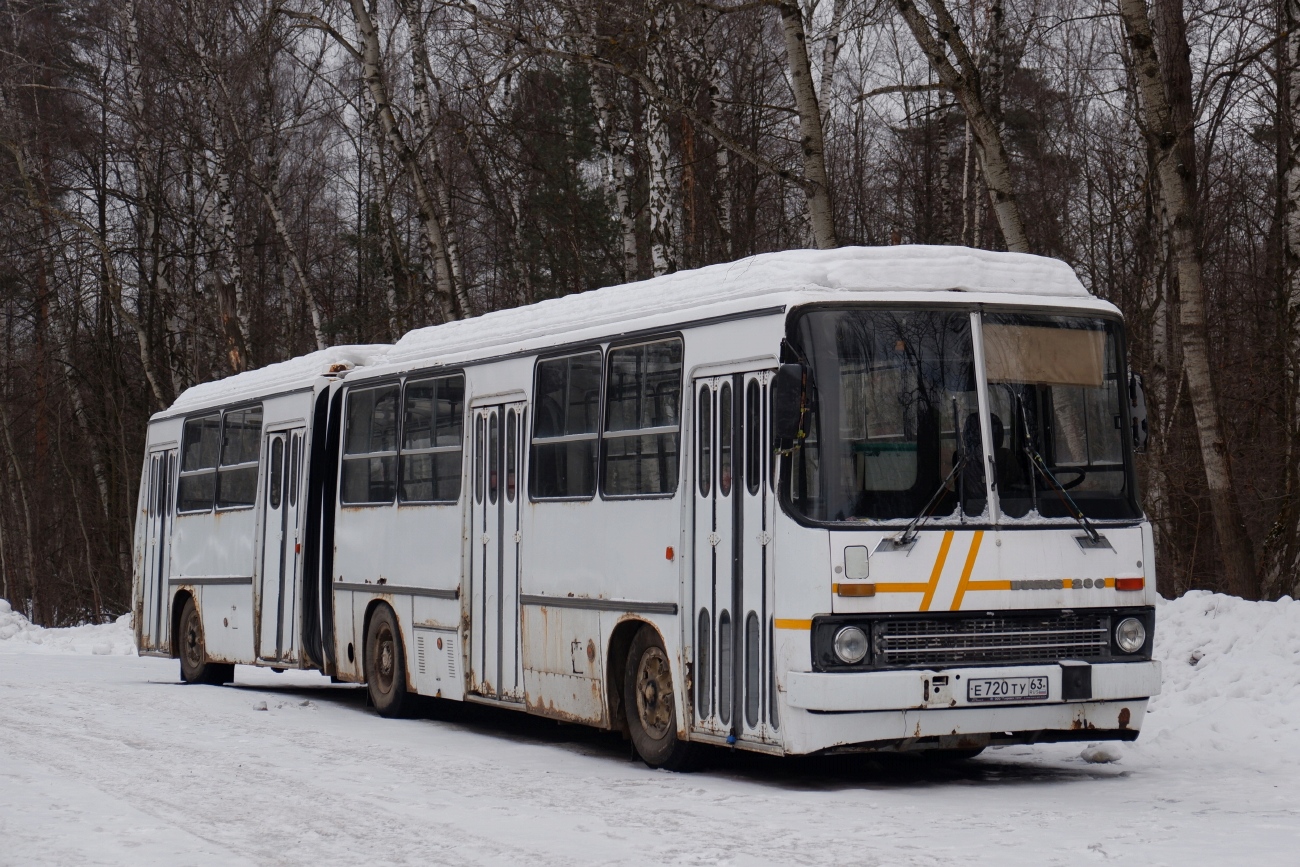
column 495, row 663
column 281, row 545
column 156, row 568
column 732, row 580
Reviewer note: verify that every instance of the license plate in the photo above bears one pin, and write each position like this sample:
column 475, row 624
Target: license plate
column 1007, row 689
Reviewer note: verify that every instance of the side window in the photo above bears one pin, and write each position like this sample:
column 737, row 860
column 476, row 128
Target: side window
column 199, row 451
column 642, row 419
column 566, row 411
column 370, row 446
column 433, row 412
column 241, row 442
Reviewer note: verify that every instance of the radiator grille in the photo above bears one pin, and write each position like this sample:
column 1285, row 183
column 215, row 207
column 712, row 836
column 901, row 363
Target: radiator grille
column 991, row 639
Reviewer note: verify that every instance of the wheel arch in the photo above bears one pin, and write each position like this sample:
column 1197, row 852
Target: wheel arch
column 178, row 605
column 371, row 607
column 620, row 644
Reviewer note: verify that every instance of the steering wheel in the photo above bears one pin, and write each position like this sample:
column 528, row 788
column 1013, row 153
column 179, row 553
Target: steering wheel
column 1073, row 483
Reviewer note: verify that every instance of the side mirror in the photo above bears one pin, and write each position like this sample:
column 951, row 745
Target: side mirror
column 1137, row 401
column 789, row 394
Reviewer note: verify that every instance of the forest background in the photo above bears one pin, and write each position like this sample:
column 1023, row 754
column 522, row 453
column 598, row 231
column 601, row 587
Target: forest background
column 191, row 188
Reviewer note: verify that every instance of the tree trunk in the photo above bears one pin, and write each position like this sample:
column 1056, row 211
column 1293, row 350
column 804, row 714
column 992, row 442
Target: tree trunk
column 662, row 205
column 1281, row 569
column 966, row 86
column 821, row 213
column 454, row 303
column 1177, row 194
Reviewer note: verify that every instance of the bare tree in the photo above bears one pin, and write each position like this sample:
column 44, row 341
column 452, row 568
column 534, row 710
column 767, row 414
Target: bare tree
column 964, row 80
column 1176, row 192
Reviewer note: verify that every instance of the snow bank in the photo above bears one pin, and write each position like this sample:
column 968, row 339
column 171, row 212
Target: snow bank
column 18, row 634
column 1231, row 677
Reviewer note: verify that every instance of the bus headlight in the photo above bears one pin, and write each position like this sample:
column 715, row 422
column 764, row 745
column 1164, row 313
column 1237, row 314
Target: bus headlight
column 850, row 645
column 1130, row 635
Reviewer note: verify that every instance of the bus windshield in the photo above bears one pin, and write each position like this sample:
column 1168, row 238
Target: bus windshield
column 896, row 427
column 1055, row 392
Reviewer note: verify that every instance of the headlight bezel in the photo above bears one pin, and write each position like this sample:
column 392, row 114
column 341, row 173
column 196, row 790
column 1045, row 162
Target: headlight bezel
column 846, row 634
column 1123, row 642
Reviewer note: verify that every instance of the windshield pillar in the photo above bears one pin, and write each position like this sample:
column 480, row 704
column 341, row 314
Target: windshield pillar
column 986, row 425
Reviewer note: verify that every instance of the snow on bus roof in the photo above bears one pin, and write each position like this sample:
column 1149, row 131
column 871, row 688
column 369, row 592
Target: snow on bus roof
column 848, row 269
column 905, row 268
column 282, row 376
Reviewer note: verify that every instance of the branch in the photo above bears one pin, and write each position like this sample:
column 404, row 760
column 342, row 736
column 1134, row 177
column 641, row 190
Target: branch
column 315, row 22
column 900, row 88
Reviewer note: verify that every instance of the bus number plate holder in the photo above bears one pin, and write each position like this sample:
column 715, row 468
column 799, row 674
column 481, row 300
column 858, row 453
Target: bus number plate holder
column 1007, row 689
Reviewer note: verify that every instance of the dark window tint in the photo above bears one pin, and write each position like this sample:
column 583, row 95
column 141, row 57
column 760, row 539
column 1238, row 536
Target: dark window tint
column 706, row 441
column 642, row 419
column 273, row 486
column 370, row 446
column 753, row 437
column 241, row 439
column 432, row 416
column 494, row 458
column 566, row 409
column 724, row 439
column 512, row 436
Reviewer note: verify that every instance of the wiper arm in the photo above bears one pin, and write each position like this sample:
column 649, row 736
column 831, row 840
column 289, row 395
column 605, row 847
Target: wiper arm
column 1075, row 512
column 905, row 538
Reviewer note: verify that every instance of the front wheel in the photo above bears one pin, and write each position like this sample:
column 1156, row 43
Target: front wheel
column 648, row 697
column 195, row 665
column 386, row 664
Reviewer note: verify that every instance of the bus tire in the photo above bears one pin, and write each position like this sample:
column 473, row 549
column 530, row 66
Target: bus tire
column 386, row 664
column 650, row 704
column 193, row 652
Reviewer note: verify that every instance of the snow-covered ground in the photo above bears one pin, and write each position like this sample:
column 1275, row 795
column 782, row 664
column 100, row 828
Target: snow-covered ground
column 106, row 759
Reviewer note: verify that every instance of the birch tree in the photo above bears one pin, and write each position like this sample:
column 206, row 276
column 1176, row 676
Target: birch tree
column 1164, row 139
column 963, row 78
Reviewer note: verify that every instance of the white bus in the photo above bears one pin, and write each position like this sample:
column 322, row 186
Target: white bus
column 813, row 501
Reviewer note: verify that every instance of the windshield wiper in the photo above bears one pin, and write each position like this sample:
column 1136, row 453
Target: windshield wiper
column 1041, row 465
column 905, row 538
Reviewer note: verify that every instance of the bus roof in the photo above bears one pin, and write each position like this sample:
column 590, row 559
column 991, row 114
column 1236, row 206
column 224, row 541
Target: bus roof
column 768, row 279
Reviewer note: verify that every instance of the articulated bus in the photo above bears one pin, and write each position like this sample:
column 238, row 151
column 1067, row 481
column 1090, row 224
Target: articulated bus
column 806, row 502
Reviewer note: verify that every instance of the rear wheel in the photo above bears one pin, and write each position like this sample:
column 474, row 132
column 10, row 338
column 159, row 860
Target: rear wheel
column 195, row 665
column 386, row 664
column 648, row 699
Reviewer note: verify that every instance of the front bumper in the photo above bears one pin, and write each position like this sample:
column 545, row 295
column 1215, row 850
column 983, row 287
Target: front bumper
column 909, row 709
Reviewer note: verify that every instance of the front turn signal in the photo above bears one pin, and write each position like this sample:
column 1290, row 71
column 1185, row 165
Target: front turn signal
column 855, row 589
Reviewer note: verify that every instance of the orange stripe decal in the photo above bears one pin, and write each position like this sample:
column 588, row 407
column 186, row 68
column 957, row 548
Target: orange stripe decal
column 938, row 569
column 792, row 624
column 972, row 586
column 966, row 570
column 899, row 587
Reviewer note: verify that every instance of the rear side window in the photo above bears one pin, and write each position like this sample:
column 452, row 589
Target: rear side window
column 241, row 439
column 370, row 446
column 566, row 420
column 199, row 453
column 433, row 411
column 219, row 460
column 643, row 419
